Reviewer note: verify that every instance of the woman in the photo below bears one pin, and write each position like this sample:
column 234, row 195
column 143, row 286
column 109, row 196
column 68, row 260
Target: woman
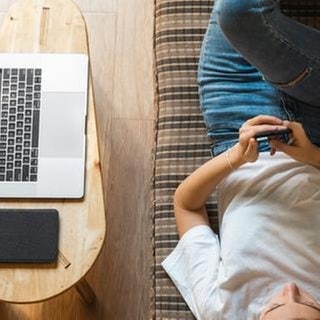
column 258, row 71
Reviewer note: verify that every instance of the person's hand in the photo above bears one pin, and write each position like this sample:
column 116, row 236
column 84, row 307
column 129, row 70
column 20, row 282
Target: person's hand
column 246, row 150
column 301, row 149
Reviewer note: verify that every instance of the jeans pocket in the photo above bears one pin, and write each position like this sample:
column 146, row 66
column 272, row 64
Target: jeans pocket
column 297, row 80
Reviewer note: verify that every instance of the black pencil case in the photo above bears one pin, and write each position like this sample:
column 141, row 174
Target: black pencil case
column 29, row 235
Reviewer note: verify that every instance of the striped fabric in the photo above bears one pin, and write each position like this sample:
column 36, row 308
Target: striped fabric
column 181, row 142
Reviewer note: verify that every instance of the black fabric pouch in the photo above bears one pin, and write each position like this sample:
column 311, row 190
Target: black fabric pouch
column 29, row 235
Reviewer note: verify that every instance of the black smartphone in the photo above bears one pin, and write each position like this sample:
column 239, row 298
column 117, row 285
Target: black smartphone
column 283, row 135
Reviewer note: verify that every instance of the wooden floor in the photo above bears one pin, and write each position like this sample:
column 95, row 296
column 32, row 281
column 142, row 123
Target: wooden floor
column 120, row 35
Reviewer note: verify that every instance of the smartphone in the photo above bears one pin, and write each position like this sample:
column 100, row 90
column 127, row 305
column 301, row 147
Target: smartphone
column 283, row 135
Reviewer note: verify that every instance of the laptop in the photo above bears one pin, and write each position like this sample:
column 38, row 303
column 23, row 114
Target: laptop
column 43, row 107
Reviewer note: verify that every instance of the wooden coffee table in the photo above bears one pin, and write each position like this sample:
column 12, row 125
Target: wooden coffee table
column 57, row 26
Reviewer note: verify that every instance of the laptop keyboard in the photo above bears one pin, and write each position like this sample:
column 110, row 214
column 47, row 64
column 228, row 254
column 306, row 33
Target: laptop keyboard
column 20, row 94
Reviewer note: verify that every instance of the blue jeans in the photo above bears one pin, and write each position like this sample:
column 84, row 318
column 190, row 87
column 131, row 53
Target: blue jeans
column 254, row 60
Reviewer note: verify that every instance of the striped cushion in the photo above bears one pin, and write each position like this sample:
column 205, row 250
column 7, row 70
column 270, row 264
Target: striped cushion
column 181, row 141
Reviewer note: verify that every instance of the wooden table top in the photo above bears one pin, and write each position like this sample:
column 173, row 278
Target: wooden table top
column 56, row 26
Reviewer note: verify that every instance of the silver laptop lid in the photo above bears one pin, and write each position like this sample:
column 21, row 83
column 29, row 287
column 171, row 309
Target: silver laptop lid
column 42, row 125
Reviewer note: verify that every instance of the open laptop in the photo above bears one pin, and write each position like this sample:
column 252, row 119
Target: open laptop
column 43, row 107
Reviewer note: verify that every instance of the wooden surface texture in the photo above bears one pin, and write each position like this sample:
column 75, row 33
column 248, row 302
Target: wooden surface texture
column 56, row 26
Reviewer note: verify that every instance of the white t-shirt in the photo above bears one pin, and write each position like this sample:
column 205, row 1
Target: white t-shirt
column 269, row 236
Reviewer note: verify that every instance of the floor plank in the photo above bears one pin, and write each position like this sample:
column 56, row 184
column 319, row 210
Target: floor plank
column 133, row 64
column 102, row 39
column 127, row 253
column 84, row 5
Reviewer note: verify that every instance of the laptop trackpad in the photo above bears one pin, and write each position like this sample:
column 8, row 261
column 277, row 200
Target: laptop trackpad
column 62, row 125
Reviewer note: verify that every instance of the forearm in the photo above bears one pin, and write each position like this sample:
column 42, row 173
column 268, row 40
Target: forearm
column 315, row 157
column 194, row 191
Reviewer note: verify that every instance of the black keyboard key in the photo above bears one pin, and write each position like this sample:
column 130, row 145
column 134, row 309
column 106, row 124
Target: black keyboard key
column 18, row 147
column 30, row 77
column 3, row 146
column 10, row 157
column 11, row 134
column 34, row 153
column 13, row 95
column 6, row 83
column 35, row 128
column 33, row 178
column 17, row 174
column 5, row 106
column 2, row 177
column 13, row 103
column 2, row 153
column 5, row 91
column 9, row 175
column 26, row 160
column 2, row 169
column 21, row 85
column 18, row 163
column 37, row 80
column 22, row 75
column 5, row 99
column 34, row 170
column 37, row 87
column 10, row 149
column 2, row 161
column 3, row 138
column 14, row 80
column 13, row 87
column 14, row 72
column 38, row 72
column 6, row 74
column 34, row 162
column 26, row 144
column 18, row 156
column 37, row 95
column 36, row 104
column 25, row 173
column 21, row 101
column 9, row 165
column 29, row 97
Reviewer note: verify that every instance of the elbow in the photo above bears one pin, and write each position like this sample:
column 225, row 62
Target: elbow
column 177, row 198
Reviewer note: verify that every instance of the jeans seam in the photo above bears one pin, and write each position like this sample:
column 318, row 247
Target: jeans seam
column 285, row 41
column 290, row 115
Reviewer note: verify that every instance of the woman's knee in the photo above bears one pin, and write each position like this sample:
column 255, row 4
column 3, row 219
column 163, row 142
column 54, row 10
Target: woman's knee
column 233, row 14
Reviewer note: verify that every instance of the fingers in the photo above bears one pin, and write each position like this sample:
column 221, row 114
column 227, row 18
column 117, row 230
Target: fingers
column 250, row 131
column 278, row 145
column 252, row 149
column 264, row 119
